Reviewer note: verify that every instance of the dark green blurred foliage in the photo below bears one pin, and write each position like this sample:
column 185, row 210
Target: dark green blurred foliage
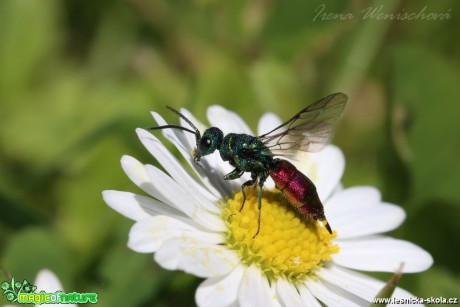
column 77, row 77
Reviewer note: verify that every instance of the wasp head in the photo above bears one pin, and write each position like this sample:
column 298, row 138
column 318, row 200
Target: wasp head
column 211, row 140
column 208, row 143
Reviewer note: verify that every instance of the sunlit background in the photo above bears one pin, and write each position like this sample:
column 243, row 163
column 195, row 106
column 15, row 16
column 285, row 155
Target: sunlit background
column 77, row 77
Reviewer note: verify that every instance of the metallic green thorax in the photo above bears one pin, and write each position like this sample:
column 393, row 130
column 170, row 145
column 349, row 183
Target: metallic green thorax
column 246, row 153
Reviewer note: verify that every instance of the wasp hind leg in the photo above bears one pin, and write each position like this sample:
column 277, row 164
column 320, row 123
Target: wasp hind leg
column 259, row 201
column 246, row 184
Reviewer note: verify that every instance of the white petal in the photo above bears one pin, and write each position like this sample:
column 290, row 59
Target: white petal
column 382, row 254
column 361, row 285
column 345, row 202
column 358, row 284
column 307, row 298
column 137, row 207
column 339, row 188
column 174, row 195
column 177, row 171
column 324, row 168
column 353, row 198
column 268, row 122
column 137, row 173
column 328, row 297
column 366, row 220
column 196, row 257
column 47, row 281
column 227, row 121
column 287, row 293
column 220, row 291
column 149, row 234
column 255, row 290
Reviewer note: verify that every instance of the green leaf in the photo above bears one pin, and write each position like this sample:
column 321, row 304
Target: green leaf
column 434, row 226
column 34, row 249
column 274, row 84
column 28, row 34
column 439, row 282
column 221, row 80
column 427, row 86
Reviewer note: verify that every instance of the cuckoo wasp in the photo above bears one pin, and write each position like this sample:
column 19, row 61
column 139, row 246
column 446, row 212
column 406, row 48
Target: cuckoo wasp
column 309, row 130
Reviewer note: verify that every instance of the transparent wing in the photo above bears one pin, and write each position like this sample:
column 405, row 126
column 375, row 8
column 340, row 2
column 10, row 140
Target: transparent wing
column 309, row 130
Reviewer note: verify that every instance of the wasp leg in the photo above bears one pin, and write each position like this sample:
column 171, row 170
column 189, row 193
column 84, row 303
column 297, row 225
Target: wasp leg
column 262, row 179
column 236, row 173
column 246, row 184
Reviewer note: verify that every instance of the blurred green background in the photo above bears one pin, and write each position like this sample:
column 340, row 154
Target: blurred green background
column 77, row 77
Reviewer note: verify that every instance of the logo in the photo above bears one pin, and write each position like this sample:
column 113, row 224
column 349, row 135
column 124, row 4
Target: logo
column 25, row 293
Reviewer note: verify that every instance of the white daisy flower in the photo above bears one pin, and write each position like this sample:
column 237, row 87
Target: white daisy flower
column 192, row 223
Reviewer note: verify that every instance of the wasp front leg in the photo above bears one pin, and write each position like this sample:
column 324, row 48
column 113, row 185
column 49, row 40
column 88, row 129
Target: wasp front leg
column 246, row 184
column 235, row 174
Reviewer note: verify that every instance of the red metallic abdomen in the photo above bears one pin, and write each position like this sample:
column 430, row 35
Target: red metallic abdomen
column 298, row 189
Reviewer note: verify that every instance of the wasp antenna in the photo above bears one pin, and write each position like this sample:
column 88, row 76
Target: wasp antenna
column 172, row 126
column 184, row 118
column 197, row 132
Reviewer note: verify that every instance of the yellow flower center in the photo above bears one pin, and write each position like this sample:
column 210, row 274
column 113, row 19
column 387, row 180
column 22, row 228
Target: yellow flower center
column 288, row 245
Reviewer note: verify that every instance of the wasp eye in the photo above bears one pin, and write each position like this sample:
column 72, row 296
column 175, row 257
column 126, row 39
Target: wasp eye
column 204, row 145
column 211, row 140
